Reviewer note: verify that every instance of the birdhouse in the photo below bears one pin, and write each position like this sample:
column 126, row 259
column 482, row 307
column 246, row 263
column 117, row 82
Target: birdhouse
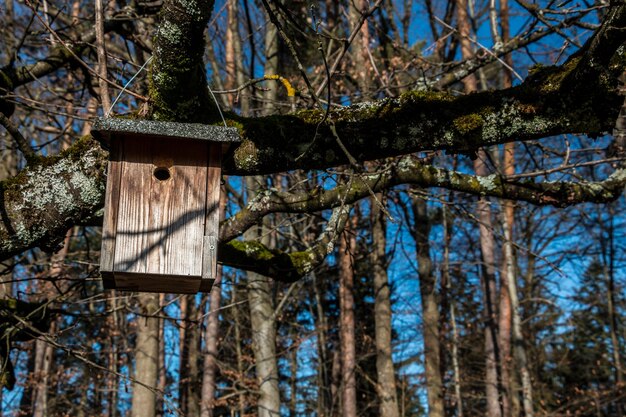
column 161, row 214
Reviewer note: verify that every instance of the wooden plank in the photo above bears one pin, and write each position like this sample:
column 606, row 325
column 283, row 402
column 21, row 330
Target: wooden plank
column 128, row 281
column 111, row 205
column 206, row 284
column 177, row 208
column 212, row 217
column 133, row 218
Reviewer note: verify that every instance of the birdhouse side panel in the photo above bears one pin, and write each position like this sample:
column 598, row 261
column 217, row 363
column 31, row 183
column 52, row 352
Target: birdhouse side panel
column 211, row 227
column 109, row 227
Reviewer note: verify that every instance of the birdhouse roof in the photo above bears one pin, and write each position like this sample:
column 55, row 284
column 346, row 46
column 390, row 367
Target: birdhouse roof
column 103, row 128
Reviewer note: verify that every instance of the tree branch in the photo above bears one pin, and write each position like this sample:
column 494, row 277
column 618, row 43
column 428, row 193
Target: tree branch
column 284, row 266
column 410, row 170
column 22, row 143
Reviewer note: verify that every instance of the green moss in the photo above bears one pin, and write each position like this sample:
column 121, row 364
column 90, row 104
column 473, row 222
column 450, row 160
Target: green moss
column 310, row 116
column 302, row 261
column 253, row 249
column 468, row 123
column 246, row 155
column 238, row 125
column 553, row 77
column 536, row 68
column 426, row 97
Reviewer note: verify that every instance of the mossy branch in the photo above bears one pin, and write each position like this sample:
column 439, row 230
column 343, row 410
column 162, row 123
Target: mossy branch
column 44, row 200
column 410, row 170
column 285, row 266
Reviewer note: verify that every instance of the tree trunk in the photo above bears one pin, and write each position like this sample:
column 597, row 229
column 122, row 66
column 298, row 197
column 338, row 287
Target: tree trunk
column 183, row 376
column 146, row 356
column 487, row 250
column 43, row 363
column 324, row 393
column 190, row 357
column 44, row 352
column 211, row 337
column 264, row 344
column 360, row 55
column 519, row 351
column 382, row 314
column 112, row 330
column 454, row 354
column 238, row 352
column 347, row 324
column 162, row 378
column 430, row 310
column 293, row 377
column 260, row 298
column 486, row 239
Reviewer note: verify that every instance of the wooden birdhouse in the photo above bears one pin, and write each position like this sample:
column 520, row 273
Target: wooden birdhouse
column 161, row 215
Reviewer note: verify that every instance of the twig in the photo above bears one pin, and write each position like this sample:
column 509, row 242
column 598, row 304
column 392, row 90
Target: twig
column 347, row 44
column 484, row 48
column 293, row 52
column 105, row 99
column 290, row 90
column 82, row 357
column 76, row 57
column 22, row 143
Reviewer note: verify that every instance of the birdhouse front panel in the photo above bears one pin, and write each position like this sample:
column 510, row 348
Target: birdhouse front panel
column 161, row 210
column 162, row 204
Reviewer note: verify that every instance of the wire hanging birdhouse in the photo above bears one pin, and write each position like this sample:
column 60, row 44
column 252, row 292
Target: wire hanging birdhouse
column 161, row 215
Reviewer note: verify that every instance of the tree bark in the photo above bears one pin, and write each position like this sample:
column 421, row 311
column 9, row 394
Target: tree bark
column 264, row 344
column 386, row 387
column 360, row 55
column 211, row 338
column 430, row 310
column 162, row 377
column 486, row 240
column 43, row 364
column 454, row 354
column 347, row 324
column 519, row 350
column 324, row 363
column 260, row 297
column 146, row 357
column 190, row 357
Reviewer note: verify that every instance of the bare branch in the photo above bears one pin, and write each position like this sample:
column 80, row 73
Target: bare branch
column 20, row 140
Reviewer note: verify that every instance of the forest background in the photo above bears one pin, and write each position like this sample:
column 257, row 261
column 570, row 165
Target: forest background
column 460, row 223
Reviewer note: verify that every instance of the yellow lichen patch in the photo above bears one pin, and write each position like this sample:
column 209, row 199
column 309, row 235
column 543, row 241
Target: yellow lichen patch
column 468, row 123
column 291, row 92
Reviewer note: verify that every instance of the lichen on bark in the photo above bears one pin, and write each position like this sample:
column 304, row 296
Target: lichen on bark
column 46, row 199
column 178, row 83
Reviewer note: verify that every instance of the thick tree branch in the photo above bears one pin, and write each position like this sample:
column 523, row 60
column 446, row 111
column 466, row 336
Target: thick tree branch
column 21, row 142
column 581, row 96
column 43, row 201
column 283, row 266
column 410, row 170
column 178, row 83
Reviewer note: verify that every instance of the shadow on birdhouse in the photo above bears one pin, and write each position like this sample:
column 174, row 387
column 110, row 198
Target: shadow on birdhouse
column 161, row 215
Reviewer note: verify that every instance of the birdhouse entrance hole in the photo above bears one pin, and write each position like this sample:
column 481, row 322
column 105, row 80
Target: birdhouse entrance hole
column 162, row 173
column 161, row 216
